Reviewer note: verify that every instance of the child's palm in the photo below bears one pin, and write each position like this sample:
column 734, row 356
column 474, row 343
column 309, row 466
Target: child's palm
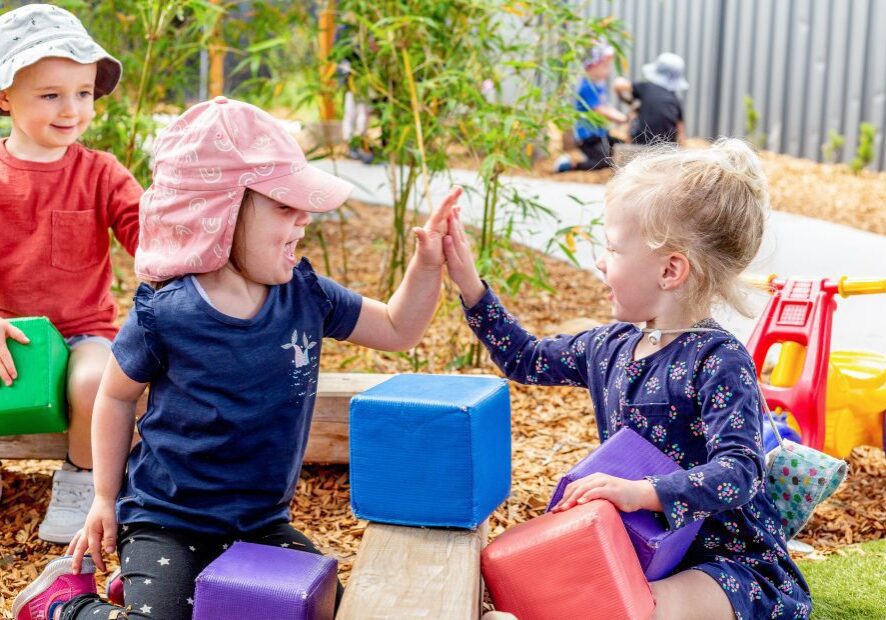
column 460, row 261
column 430, row 236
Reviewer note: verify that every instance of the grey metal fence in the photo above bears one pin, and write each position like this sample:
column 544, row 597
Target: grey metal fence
column 810, row 66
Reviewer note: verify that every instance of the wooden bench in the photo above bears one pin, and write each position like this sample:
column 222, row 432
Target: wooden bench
column 414, row 572
column 328, row 442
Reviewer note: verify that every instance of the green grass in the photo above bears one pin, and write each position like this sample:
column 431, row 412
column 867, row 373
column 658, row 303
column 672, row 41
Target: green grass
column 849, row 586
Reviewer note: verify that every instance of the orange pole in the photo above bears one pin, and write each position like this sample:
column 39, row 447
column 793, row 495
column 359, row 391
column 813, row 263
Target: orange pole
column 327, row 39
column 216, row 58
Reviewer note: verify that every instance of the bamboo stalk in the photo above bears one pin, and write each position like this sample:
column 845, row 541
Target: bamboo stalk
column 413, row 96
column 153, row 22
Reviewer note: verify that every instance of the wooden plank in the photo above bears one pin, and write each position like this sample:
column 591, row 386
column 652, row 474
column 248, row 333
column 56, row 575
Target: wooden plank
column 328, row 442
column 413, row 572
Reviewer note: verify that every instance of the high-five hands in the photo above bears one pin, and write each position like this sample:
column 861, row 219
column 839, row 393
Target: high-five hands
column 429, row 238
column 460, row 261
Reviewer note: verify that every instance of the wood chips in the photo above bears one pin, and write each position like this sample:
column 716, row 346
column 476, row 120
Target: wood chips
column 552, row 427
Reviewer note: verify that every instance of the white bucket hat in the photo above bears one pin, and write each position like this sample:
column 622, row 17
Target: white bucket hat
column 37, row 31
column 597, row 54
column 667, row 71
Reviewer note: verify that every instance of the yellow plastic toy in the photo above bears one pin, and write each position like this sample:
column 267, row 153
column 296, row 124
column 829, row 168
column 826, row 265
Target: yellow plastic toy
column 856, row 401
column 856, row 384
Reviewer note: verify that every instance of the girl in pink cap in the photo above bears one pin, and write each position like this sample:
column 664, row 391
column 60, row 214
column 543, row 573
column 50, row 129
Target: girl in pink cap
column 228, row 334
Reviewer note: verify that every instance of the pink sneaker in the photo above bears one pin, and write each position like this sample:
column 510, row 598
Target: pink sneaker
column 55, row 584
column 114, row 592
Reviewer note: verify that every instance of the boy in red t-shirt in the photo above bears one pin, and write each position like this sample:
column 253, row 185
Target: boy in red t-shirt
column 57, row 201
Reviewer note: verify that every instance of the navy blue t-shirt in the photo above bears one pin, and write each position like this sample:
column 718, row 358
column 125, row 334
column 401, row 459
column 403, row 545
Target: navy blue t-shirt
column 230, row 404
column 660, row 112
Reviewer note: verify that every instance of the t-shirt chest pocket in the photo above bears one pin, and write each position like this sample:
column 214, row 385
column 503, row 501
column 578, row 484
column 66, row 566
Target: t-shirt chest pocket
column 75, row 241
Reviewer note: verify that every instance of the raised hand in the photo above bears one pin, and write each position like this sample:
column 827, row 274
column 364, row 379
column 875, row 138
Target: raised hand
column 429, row 249
column 460, row 261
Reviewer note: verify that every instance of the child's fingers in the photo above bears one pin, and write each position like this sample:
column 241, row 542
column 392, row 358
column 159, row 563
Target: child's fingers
column 455, row 258
column 565, row 505
column 109, row 541
column 79, row 551
column 7, row 367
column 440, row 215
column 571, row 491
column 578, row 488
column 449, row 251
column 73, row 544
column 16, row 334
column 453, row 197
column 95, row 548
column 460, row 239
column 595, row 493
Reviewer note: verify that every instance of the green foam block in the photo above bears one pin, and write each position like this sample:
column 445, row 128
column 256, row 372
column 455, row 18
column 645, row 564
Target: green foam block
column 35, row 403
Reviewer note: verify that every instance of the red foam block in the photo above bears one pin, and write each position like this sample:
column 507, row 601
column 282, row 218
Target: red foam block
column 579, row 563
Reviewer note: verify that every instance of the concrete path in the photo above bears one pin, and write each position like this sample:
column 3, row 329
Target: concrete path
column 793, row 245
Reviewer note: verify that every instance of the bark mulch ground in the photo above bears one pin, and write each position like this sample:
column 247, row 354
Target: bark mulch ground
column 552, row 427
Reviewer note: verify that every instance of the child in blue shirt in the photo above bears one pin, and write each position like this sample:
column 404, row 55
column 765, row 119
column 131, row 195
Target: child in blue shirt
column 593, row 139
column 679, row 229
column 229, row 337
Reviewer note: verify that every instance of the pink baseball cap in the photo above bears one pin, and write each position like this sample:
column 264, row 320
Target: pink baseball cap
column 203, row 164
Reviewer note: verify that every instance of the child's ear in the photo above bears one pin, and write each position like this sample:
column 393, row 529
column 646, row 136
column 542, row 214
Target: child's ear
column 4, row 102
column 676, row 271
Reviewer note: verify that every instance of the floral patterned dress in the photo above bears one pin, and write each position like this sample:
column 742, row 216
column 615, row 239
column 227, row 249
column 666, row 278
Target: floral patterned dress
column 696, row 399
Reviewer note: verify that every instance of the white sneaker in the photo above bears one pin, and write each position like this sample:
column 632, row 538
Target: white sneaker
column 563, row 163
column 72, row 493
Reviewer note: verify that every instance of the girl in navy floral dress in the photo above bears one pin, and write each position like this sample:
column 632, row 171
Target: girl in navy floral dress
column 680, row 226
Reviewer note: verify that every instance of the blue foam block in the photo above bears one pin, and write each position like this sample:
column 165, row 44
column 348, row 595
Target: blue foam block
column 431, row 450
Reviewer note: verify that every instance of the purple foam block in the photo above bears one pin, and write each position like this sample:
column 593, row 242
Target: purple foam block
column 627, row 455
column 262, row 582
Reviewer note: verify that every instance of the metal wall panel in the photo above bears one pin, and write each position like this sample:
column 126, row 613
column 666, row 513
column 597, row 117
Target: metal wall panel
column 797, row 82
column 815, row 134
column 877, row 84
column 810, row 66
column 778, row 94
column 855, row 67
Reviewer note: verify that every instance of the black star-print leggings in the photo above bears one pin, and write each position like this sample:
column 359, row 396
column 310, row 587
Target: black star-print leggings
column 160, row 565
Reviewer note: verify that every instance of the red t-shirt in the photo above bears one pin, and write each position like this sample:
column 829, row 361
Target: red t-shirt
column 54, row 242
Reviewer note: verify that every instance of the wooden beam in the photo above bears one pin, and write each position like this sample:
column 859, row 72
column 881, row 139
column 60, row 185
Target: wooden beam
column 413, row 572
column 328, row 442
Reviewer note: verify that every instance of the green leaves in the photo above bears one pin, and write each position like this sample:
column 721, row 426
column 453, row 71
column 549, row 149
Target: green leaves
column 864, row 153
column 485, row 78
